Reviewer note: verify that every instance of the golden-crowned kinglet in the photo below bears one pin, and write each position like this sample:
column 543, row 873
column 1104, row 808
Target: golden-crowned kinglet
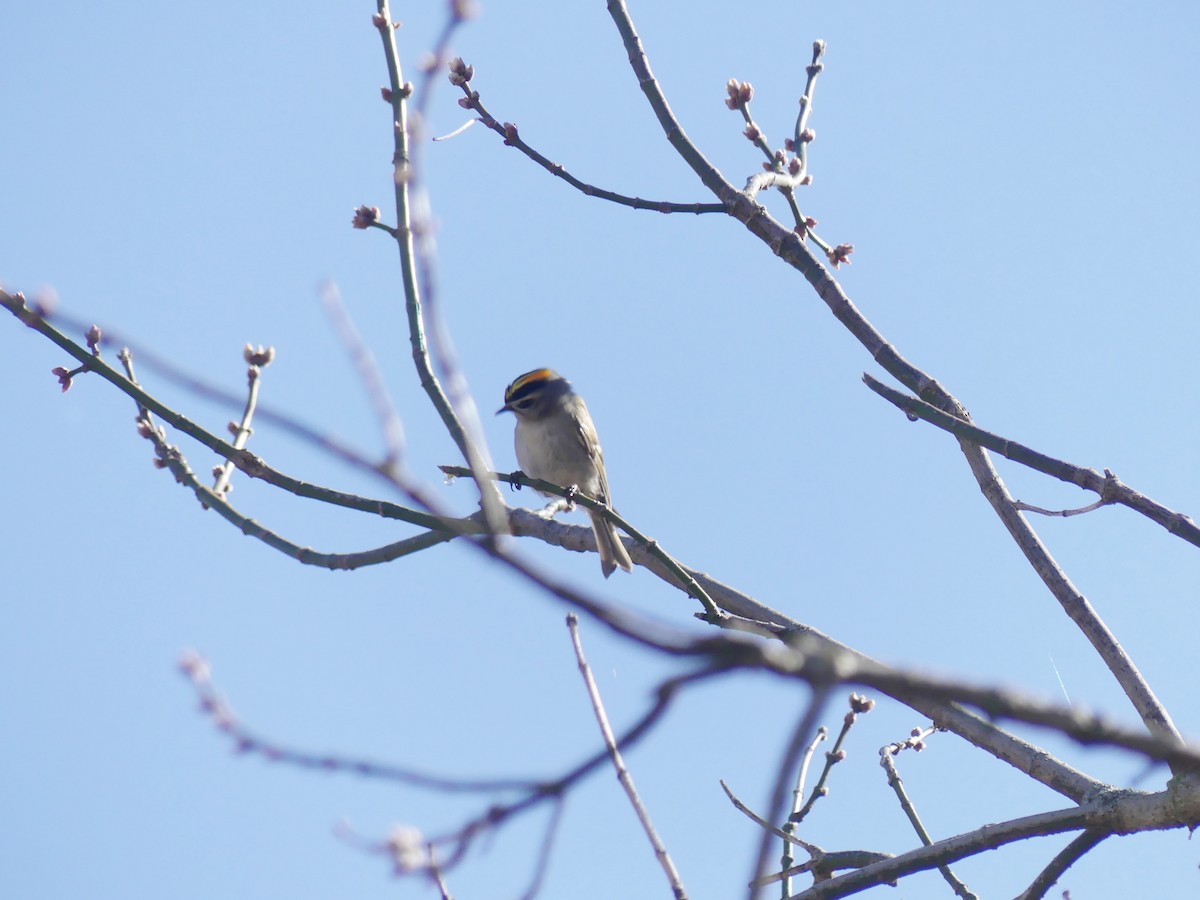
column 556, row 441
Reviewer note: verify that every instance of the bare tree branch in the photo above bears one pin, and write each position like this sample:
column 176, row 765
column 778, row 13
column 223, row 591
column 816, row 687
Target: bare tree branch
column 461, row 75
column 402, row 177
column 887, row 759
column 1107, row 486
column 790, row 246
column 1067, row 857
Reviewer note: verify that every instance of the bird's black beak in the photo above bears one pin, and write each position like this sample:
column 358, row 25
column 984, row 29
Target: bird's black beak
column 504, row 408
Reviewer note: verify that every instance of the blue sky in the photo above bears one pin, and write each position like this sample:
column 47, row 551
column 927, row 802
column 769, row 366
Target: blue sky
column 1019, row 185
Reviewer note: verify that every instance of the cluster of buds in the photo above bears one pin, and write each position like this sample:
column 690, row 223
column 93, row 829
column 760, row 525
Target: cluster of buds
column 64, row 376
column 739, row 93
column 194, row 668
column 916, row 740
column 781, row 162
column 406, row 845
column 366, row 216
column 259, row 356
column 460, row 72
column 841, row 254
column 817, row 66
column 858, row 705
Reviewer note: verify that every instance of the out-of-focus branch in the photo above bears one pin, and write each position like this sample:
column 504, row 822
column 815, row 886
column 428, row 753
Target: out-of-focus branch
column 373, row 382
column 532, row 792
column 461, row 839
column 802, row 734
column 196, row 670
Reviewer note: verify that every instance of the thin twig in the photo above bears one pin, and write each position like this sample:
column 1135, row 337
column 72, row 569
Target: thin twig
column 623, row 774
column 800, row 736
column 512, row 138
column 778, row 167
column 533, row 792
column 1067, row 857
column 708, row 174
column 1060, row 513
column 256, row 360
column 440, row 347
column 858, row 705
column 1107, row 486
column 801, row 135
column 798, row 793
column 758, row 820
column 461, row 839
column 198, row 673
column 796, row 815
column 402, row 177
column 435, row 873
column 887, row 760
column 170, row 457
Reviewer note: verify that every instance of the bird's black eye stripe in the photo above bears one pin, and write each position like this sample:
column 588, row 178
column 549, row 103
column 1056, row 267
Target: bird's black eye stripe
column 524, row 393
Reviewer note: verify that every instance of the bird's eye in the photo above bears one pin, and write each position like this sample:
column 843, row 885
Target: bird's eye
column 525, row 404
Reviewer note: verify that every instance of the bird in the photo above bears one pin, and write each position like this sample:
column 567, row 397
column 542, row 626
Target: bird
column 556, row 441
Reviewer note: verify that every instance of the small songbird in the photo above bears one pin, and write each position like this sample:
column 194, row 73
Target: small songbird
column 556, row 441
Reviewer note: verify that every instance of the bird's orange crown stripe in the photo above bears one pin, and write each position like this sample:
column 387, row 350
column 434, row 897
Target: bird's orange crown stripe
column 529, row 378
